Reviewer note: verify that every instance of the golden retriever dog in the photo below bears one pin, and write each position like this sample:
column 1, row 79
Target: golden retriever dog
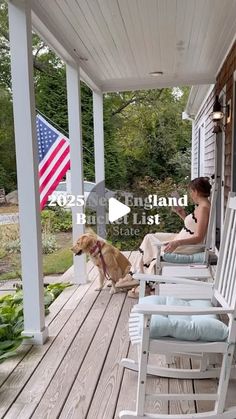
column 111, row 263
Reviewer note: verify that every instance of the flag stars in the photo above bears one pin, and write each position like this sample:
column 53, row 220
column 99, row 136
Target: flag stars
column 46, row 136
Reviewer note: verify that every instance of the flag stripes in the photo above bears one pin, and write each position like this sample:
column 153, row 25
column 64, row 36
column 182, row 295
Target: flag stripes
column 54, row 158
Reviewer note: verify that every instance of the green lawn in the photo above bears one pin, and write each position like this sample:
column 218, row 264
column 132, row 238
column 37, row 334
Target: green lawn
column 54, row 263
column 57, row 262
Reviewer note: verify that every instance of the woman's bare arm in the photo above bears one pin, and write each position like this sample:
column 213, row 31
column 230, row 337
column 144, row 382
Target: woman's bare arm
column 202, row 215
column 180, row 212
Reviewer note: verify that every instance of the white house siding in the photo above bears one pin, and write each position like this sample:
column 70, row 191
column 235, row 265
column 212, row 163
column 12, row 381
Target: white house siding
column 224, row 81
column 225, row 142
column 225, row 78
column 203, row 122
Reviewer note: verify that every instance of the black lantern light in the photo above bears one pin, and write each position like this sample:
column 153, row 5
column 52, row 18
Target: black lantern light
column 218, row 115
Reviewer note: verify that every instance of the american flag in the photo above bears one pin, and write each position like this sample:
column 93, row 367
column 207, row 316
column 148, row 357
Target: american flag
column 54, row 158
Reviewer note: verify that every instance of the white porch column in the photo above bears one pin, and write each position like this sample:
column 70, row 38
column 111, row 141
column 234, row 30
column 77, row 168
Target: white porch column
column 27, row 168
column 99, row 156
column 76, row 160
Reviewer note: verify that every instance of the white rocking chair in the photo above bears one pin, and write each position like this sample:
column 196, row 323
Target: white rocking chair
column 223, row 301
column 183, row 270
column 208, row 246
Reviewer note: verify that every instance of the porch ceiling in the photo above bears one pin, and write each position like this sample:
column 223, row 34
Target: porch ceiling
column 121, row 41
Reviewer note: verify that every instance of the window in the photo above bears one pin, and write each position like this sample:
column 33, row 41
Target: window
column 201, row 150
column 234, row 140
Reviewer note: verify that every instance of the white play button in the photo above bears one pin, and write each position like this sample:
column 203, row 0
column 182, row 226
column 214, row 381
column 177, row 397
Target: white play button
column 116, row 210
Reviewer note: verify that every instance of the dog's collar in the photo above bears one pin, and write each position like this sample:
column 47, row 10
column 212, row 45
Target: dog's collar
column 96, row 249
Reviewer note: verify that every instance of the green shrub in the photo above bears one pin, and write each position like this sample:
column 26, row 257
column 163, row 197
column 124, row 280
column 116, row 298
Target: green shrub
column 56, row 220
column 49, row 244
column 2, row 253
column 10, row 237
column 13, row 246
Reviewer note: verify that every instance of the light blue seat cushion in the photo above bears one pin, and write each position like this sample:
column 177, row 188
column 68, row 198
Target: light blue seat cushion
column 199, row 327
column 179, row 258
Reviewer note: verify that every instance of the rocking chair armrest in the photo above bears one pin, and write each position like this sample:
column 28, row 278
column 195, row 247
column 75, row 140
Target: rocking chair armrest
column 170, row 280
column 193, row 246
column 151, row 309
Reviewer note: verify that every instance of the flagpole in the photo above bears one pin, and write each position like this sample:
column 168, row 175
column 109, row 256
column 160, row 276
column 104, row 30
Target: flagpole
column 60, row 128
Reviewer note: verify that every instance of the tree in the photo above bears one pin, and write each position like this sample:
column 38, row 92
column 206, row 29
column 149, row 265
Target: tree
column 7, row 145
column 144, row 133
column 151, row 133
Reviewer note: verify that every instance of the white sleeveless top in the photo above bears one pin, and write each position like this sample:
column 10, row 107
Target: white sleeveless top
column 190, row 226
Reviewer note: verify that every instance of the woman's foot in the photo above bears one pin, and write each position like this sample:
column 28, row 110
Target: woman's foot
column 127, row 282
column 134, row 292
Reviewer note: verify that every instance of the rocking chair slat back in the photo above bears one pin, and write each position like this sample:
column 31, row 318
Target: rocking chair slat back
column 210, row 238
column 225, row 282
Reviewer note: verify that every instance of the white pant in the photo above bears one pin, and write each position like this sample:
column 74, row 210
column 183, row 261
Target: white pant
column 148, row 252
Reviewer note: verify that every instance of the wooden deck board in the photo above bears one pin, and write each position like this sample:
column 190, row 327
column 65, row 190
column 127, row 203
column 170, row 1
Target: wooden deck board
column 22, row 373
column 76, row 374
column 203, row 386
column 61, row 364
column 108, row 387
column 181, row 386
column 80, row 396
column 9, row 365
column 127, row 396
column 157, row 385
column 128, row 389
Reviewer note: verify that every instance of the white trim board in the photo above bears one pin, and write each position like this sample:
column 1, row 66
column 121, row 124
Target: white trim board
column 197, row 99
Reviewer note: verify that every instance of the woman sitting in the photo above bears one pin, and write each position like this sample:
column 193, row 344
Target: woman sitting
column 193, row 232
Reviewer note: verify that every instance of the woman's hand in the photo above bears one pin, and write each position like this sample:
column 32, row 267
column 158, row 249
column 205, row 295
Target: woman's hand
column 179, row 211
column 171, row 246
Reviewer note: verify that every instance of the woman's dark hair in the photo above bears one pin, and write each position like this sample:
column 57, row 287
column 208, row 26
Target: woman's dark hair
column 201, row 185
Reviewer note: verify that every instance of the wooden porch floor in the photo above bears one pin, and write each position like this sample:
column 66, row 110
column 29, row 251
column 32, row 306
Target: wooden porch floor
column 76, row 374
